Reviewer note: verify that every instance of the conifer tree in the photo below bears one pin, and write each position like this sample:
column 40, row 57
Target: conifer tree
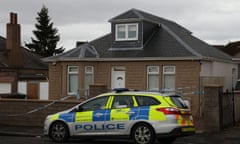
column 46, row 36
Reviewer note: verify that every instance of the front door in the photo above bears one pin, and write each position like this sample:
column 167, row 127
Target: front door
column 33, row 90
column 118, row 77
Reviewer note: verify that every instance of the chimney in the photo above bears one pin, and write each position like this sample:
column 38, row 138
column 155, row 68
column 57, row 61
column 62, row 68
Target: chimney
column 79, row 43
column 14, row 51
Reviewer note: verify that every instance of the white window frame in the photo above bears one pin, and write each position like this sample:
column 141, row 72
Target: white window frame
column 71, row 73
column 6, row 88
column 88, row 73
column 153, row 73
column 126, row 32
column 173, row 73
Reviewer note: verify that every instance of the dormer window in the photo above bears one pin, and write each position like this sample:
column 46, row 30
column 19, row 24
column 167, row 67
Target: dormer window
column 126, row 32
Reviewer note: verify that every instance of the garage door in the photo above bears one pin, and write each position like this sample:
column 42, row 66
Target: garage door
column 5, row 88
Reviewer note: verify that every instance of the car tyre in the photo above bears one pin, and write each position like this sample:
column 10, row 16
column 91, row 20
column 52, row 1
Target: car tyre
column 59, row 132
column 143, row 133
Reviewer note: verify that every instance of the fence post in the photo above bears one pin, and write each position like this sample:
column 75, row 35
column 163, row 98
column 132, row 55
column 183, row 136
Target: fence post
column 233, row 101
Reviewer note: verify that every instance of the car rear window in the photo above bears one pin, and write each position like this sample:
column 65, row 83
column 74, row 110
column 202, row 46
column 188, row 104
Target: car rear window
column 178, row 101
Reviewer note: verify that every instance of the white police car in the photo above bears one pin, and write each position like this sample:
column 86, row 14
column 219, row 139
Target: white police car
column 141, row 116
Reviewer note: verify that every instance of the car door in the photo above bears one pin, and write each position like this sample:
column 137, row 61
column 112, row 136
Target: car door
column 120, row 115
column 90, row 117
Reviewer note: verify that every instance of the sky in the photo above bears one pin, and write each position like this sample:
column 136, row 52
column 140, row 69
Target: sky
column 213, row 21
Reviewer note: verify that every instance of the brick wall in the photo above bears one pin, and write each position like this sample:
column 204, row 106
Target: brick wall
column 12, row 107
column 187, row 74
column 96, row 89
column 55, row 81
column 218, row 108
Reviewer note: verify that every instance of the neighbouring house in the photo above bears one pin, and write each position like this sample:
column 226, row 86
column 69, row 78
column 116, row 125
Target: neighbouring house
column 233, row 49
column 22, row 73
column 143, row 52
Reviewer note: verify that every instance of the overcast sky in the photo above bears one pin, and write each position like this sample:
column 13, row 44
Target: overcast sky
column 214, row 21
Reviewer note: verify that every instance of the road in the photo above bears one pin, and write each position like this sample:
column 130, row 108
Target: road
column 228, row 136
column 193, row 140
column 44, row 140
column 188, row 140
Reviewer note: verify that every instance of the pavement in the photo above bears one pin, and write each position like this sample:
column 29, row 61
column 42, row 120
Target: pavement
column 24, row 131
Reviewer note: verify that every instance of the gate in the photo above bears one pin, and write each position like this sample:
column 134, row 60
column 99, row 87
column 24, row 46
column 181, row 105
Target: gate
column 226, row 109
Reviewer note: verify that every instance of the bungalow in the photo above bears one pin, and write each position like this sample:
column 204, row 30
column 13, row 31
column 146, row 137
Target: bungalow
column 21, row 71
column 143, row 52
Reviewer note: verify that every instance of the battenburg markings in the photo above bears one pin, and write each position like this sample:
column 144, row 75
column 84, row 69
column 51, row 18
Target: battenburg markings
column 90, row 127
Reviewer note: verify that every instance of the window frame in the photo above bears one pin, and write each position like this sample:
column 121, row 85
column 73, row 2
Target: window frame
column 68, row 77
column 153, row 73
column 173, row 73
column 88, row 73
column 126, row 30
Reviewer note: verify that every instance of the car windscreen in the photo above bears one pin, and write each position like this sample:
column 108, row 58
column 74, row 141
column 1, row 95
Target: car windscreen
column 178, row 101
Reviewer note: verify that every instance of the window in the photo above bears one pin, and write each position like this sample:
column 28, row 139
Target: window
column 146, row 101
column 168, row 77
column 72, row 79
column 122, row 102
column 89, row 74
column 126, row 32
column 153, row 78
column 5, row 88
column 95, row 104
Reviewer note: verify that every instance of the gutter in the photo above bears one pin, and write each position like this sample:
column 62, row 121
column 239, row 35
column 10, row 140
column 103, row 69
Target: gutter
column 125, row 59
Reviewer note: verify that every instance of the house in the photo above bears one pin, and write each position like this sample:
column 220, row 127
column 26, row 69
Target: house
column 21, row 71
column 233, row 49
column 143, row 52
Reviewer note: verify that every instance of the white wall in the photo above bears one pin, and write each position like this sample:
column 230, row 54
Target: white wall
column 22, row 87
column 220, row 69
column 43, row 89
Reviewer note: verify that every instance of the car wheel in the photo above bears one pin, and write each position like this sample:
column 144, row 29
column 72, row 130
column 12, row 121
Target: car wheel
column 59, row 132
column 143, row 134
column 166, row 140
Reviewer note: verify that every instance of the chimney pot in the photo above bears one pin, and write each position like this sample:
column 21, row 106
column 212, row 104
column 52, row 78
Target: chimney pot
column 13, row 18
column 78, row 43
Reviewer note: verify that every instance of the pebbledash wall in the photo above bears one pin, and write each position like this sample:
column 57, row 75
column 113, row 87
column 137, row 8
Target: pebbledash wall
column 10, row 107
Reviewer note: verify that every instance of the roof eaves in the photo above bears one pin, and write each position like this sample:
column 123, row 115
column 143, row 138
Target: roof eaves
column 126, row 59
column 217, row 59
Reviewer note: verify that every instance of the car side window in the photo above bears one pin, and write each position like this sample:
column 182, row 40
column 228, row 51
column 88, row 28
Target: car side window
column 146, row 101
column 122, row 102
column 95, row 104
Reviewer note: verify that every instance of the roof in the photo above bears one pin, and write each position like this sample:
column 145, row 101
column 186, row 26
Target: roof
column 169, row 41
column 31, row 60
column 231, row 48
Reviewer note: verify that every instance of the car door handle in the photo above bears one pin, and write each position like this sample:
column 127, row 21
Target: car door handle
column 98, row 114
column 130, row 112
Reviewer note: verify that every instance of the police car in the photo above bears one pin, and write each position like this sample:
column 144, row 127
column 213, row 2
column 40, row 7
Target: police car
column 141, row 116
